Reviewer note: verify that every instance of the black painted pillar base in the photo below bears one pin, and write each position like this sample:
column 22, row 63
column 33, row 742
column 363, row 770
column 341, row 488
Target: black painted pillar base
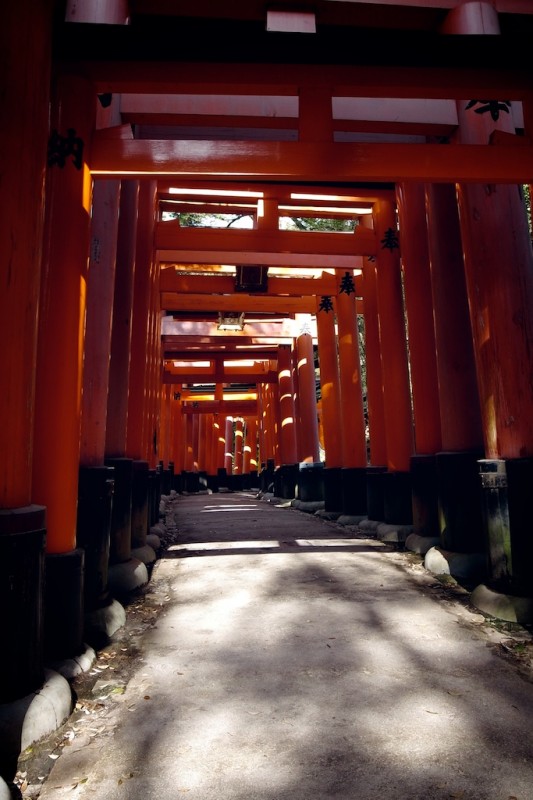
column 507, row 489
column 397, row 498
column 166, row 481
column 266, row 477
column 353, row 487
column 236, row 483
column 191, row 482
column 222, row 478
column 333, row 489
column 311, row 482
column 285, row 480
column 424, row 495
column 95, row 503
column 154, row 496
column 459, row 499
column 120, row 534
column 212, row 483
column 22, row 543
column 63, row 605
column 375, row 492
column 139, row 504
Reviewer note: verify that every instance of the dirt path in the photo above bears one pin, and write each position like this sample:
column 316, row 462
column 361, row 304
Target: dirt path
column 274, row 656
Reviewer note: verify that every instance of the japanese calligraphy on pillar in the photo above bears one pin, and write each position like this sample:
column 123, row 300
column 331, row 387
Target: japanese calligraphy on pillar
column 61, row 147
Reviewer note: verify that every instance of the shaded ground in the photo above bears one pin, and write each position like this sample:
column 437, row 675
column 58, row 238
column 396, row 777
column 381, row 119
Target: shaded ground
column 274, row 656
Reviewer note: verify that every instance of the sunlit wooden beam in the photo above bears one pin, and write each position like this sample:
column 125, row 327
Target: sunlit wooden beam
column 229, row 407
column 310, row 161
column 236, row 377
column 170, row 281
column 169, row 236
column 172, row 301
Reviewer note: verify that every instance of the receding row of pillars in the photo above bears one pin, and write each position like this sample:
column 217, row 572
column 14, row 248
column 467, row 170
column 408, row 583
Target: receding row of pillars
column 80, row 356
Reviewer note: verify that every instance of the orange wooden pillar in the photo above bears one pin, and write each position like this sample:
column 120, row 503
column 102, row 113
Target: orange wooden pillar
column 286, row 403
column 215, row 444
column 139, row 418
column 221, row 443
column 119, row 371
column 252, row 430
column 189, row 443
column 137, row 422
column 268, row 425
column 331, row 407
column 460, row 520
column 228, row 453
column 119, row 366
column 178, row 438
column 395, row 373
column 307, row 423
column 261, row 429
column 310, row 483
column 250, row 448
column 354, row 457
column 203, row 429
column 499, row 278
column 288, row 470
column 410, row 198
column 195, row 441
column 96, row 480
column 166, row 424
column 246, row 450
column 60, row 358
column 239, row 445
column 296, row 388
column 377, row 440
column 25, row 87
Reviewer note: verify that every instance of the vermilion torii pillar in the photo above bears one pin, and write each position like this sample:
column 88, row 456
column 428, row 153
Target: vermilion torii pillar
column 459, row 507
column 139, row 416
column 396, row 390
column 25, row 87
column 250, row 447
column 220, row 443
column 417, row 284
column 354, row 456
column 499, row 277
column 203, row 429
column 96, row 481
column 374, row 372
column 140, row 342
column 228, row 444
column 410, row 199
column 119, row 371
column 178, row 438
column 60, row 357
column 119, row 367
column 307, row 434
column 288, row 452
column 239, row 445
column 331, row 408
column 285, row 484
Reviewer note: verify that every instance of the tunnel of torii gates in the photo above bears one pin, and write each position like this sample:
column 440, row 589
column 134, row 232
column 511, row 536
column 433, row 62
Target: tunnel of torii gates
column 118, row 380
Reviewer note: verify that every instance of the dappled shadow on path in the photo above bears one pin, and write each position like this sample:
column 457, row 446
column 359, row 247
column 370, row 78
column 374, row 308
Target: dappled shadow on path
column 320, row 674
